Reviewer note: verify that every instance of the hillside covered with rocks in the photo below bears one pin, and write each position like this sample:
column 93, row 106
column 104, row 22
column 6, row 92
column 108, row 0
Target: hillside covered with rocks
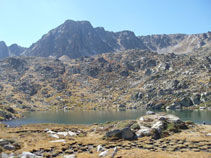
column 128, row 79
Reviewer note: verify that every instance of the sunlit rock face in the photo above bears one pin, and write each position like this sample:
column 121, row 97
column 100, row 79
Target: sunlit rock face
column 79, row 38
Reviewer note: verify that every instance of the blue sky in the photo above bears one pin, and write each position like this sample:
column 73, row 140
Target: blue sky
column 25, row 21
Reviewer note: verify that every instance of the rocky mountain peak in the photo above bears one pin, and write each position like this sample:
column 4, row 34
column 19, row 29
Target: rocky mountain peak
column 79, row 38
column 70, row 27
column 3, row 50
column 79, row 23
column 15, row 50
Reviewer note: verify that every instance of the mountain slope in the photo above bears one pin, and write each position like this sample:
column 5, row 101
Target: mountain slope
column 132, row 79
column 177, row 43
column 79, row 38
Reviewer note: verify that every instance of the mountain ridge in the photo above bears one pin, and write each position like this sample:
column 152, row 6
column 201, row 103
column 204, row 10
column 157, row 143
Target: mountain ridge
column 79, row 38
column 9, row 51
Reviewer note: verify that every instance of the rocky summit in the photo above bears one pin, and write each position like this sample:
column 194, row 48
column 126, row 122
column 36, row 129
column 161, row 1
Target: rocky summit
column 13, row 50
column 128, row 79
column 79, row 38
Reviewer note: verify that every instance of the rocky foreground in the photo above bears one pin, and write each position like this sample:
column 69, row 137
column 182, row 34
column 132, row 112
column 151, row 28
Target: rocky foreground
column 153, row 135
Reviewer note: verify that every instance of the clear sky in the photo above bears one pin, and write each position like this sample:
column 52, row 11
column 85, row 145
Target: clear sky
column 25, row 21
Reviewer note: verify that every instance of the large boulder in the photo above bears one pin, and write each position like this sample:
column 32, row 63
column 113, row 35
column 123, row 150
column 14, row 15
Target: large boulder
column 174, row 106
column 196, row 99
column 159, row 125
column 186, row 102
column 143, row 131
column 124, row 73
column 28, row 88
column 9, row 144
column 125, row 133
column 5, row 115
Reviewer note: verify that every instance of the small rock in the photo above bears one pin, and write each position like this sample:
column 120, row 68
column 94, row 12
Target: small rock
column 172, row 118
column 144, row 131
column 58, row 141
column 104, row 153
column 72, row 133
column 70, row 156
column 121, row 106
column 27, row 154
column 4, row 155
column 114, row 152
column 9, row 147
column 6, row 142
column 150, row 113
column 51, row 132
column 54, row 136
column 100, row 148
column 62, row 133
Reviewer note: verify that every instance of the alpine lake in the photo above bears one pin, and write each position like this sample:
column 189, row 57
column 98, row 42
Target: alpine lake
column 102, row 116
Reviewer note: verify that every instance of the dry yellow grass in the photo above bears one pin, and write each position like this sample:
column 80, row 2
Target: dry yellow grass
column 33, row 137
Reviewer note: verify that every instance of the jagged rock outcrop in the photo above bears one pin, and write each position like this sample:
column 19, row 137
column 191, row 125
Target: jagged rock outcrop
column 78, row 38
column 74, row 39
column 3, row 50
column 13, row 50
column 176, row 43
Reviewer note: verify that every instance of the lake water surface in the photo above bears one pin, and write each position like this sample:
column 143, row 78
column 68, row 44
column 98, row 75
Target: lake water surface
column 97, row 116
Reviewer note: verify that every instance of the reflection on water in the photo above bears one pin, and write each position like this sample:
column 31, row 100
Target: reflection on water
column 197, row 116
column 90, row 117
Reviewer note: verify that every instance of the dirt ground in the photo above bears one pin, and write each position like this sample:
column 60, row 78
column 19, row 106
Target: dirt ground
column 194, row 142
